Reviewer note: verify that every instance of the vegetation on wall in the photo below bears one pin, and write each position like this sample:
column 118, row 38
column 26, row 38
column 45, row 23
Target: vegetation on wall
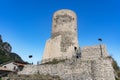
column 55, row 61
column 5, row 57
column 6, row 54
column 116, row 68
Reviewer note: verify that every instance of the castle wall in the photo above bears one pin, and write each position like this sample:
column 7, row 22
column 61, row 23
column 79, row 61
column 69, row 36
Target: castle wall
column 92, row 63
column 75, row 69
column 93, row 52
column 53, row 50
column 102, row 70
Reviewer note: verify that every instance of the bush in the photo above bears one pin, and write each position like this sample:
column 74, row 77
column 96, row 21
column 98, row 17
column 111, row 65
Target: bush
column 116, row 69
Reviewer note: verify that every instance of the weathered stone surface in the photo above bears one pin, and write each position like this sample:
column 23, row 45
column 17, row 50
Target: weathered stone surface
column 6, row 53
column 88, row 63
column 64, row 36
column 94, row 52
column 5, row 46
column 75, row 69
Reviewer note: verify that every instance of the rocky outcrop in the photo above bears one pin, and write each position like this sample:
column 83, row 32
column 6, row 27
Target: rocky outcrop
column 6, row 53
column 5, row 46
column 0, row 39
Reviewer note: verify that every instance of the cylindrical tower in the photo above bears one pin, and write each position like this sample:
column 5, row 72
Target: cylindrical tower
column 65, row 24
column 64, row 40
column 64, row 21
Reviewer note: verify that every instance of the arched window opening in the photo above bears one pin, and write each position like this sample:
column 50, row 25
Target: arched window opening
column 77, row 56
column 75, row 48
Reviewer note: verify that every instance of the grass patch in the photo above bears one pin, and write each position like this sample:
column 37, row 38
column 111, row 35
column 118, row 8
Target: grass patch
column 116, row 68
column 34, row 77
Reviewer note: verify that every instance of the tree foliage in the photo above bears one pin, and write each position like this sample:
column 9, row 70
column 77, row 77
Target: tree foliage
column 5, row 57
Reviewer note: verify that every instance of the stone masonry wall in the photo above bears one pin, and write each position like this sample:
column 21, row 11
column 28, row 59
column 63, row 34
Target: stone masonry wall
column 64, row 37
column 53, row 50
column 102, row 70
column 75, row 69
column 94, row 52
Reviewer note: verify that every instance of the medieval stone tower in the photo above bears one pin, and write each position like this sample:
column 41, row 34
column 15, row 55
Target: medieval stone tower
column 63, row 42
column 89, row 63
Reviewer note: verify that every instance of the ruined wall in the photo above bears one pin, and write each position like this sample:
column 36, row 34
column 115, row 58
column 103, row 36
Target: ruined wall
column 92, row 63
column 102, row 70
column 90, row 66
column 93, row 52
column 75, row 69
column 53, row 50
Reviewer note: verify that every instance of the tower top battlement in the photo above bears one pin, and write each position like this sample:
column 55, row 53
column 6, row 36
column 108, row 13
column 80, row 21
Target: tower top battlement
column 65, row 11
column 64, row 21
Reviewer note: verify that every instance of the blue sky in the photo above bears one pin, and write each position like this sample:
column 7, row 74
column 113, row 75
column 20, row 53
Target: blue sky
column 26, row 24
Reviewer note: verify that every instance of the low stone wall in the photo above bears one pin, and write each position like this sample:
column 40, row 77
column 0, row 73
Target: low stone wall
column 75, row 69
